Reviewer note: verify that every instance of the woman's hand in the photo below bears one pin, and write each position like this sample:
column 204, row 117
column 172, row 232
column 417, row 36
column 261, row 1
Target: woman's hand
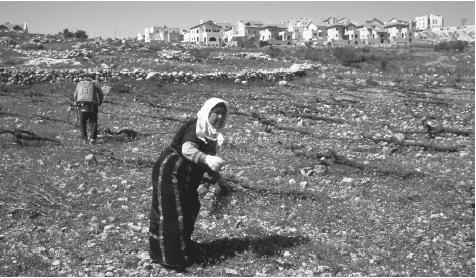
column 214, row 162
column 224, row 185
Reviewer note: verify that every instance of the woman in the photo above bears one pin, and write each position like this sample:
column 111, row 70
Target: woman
column 175, row 178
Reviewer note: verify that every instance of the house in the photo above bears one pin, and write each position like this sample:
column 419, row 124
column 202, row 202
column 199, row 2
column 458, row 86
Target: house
column 242, row 31
column 337, row 29
column 314, row 32
column 297, row 26
column 165, row 34
column 428, row 22
column 8, row 27
column 272, row 33
column 330, row 21
column 372, row 32
column 249, row 28
column 206, row 33
column 398, row 29
column 350, row 29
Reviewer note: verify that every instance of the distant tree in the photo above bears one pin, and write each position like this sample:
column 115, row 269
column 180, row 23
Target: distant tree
column 67, row 34
column 80, row 34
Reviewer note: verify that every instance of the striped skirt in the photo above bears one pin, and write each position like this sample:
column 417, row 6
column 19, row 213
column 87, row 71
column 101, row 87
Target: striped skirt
column 175, row 207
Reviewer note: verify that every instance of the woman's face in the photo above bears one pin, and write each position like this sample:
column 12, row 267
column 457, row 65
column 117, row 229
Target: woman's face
column 217, row 116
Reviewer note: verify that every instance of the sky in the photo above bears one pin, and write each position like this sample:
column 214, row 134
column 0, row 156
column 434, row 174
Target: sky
column 121, row 19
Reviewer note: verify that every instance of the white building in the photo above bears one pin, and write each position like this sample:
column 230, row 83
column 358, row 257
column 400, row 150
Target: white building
column 429, row 22
column 371, row 29
column 206, row 33
column 165, row 34
column 313, row 32
column 398, row 29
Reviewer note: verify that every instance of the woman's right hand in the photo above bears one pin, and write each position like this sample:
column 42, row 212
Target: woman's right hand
column 214, row 162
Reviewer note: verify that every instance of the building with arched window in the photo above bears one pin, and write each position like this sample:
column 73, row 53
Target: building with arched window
column 207, row 33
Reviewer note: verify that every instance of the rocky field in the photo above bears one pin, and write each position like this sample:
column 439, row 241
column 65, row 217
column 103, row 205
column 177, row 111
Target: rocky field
column 341, row 169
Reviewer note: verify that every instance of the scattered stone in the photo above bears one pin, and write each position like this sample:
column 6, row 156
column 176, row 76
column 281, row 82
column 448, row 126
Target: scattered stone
column 398, row 137
column 90, row 158
column 291, row 216
column 347, row 180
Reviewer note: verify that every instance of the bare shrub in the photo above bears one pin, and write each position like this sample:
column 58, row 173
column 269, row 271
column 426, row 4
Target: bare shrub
column 9, row 57
column 274, row 52
column 356, row 56
column 201, row 54
column 312, row 54
column 451, row 45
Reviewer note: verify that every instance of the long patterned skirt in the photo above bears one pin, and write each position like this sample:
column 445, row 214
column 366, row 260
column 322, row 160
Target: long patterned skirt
column 175, row 207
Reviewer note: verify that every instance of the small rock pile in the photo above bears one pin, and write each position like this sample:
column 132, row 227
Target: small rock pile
column 54, row 54
column 175, row 55
column 249, row 55
column 6, row 41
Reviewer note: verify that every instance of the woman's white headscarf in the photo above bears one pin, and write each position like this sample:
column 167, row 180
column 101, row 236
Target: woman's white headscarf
column 204, row 128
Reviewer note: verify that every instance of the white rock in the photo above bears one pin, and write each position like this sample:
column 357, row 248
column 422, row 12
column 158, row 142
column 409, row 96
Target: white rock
column 303, row 184
column 398, row 137
column 90, row 157
column 151, row 75
column 348, row 180
column 291, row 216
column 283, row 83
column 292, row 182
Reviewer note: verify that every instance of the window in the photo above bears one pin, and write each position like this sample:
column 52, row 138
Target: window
column 208, row 30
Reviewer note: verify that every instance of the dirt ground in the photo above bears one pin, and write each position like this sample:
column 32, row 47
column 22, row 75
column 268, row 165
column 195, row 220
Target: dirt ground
column 346, row 171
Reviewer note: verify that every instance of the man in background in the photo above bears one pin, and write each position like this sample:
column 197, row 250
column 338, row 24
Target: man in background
column 88, row 97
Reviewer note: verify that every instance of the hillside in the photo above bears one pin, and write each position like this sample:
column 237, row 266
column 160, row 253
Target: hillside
column 447, row 34
column 346, row 162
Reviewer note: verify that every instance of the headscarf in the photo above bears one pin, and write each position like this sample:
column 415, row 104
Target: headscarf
column 204, row 128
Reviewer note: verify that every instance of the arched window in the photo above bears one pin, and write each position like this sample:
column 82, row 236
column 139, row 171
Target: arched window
column 212, row 39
